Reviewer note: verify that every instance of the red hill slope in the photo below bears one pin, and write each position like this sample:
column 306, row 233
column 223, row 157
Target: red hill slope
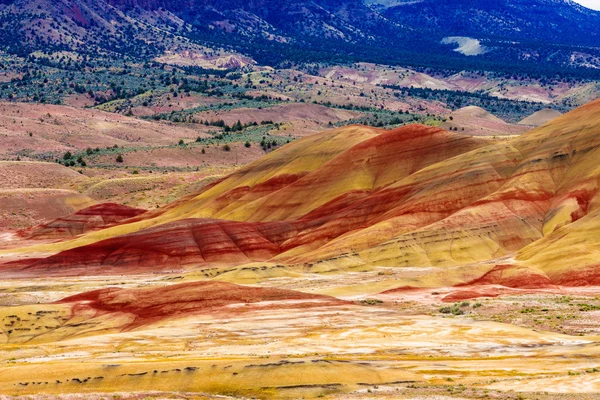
column 154, row 304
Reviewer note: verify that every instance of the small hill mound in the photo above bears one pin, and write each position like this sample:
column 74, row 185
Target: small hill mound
column 89, row 219
column 22, row 208
column 540, row 117
column 475, row 121
column 476, row 112
column 27, row 175
column 154, row 304
column 33, row 193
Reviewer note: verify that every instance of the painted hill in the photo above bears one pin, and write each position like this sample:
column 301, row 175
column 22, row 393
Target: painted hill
column 149, row 305
column 540, row 117
column 261, row 211
column 115, row 310
column 360, row 197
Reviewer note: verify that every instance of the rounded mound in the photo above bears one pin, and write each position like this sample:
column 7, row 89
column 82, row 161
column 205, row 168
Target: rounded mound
column 41, row 204
column 153, row 304
column 541, row 117
column 89, row 219
column 475, row 121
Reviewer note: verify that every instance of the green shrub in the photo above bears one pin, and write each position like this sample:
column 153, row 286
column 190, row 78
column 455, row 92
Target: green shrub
column 454, row 310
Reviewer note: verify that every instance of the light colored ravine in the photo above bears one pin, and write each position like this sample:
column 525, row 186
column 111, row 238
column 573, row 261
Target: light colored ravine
column 466, row 45
column 7, row 237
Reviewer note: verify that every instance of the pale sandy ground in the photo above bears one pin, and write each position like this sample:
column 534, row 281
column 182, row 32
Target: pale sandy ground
column 283, row 349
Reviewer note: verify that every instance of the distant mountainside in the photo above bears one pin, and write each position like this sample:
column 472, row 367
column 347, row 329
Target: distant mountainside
column 538, row 33
column 85, row 26
column 343, row 19
column 557, row 21
column 121, row 24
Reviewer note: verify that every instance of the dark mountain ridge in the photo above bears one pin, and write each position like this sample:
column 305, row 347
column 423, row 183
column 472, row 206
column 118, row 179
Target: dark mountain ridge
column 538, row 35
column 557, row 21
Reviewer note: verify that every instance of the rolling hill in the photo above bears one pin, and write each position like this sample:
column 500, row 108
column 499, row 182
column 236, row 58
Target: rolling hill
column 540, row 117
column 48, row 130
column 360, row 197
column 476, row 121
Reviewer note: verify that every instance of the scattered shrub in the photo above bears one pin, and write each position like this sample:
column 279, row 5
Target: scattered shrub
column 454, row 310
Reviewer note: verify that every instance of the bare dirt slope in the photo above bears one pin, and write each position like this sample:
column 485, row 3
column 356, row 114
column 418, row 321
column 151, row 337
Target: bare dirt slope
column 476, row 121
column 541, row 117
column 282, row 113
column 34, row 192
column 62, row 128
column 24, row 174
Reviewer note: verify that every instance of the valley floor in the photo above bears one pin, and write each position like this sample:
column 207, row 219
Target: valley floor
column 537, row 344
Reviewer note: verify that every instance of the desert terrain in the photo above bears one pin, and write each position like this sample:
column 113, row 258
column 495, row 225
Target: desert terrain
column 339, row 199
